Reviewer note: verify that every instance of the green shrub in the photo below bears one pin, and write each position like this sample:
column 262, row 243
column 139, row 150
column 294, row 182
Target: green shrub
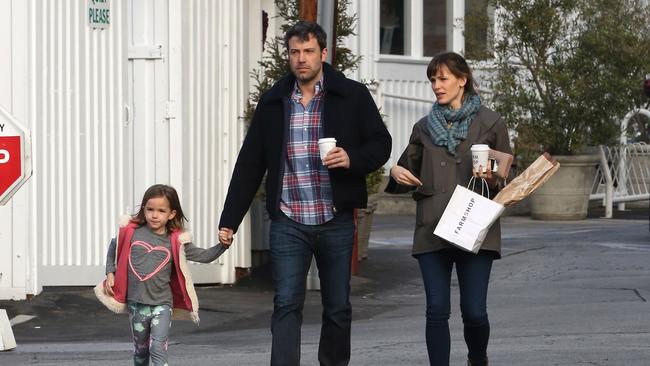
column 569, row 70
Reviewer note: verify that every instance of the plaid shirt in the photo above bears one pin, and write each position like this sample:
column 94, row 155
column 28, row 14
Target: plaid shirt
column 306, row 192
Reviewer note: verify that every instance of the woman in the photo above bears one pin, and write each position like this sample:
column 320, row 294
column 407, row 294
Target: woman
column 436, row 159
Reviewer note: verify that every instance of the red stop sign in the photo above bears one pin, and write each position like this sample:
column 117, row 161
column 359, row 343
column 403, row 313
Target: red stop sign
column 10, row 163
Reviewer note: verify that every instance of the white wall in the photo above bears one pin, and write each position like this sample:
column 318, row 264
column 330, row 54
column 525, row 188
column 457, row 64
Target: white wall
column 16, row 276
column 69, row 84
column 398, row 79
column 214, row 89
column 78, row 134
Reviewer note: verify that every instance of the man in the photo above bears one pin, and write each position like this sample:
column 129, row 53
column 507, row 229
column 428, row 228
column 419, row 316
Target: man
column 310, row 201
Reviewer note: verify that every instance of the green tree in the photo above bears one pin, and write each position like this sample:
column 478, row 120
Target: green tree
column 478, row 30
column 569, row 70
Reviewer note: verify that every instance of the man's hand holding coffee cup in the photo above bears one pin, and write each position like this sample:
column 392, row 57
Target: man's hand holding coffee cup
column 332, row 156
column 337, row 158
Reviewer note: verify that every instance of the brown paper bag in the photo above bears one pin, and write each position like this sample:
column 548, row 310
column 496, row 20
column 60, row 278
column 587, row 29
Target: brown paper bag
column 529, row 180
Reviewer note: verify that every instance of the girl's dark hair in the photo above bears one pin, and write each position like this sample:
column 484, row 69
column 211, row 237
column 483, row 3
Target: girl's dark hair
column 162, row 190
column 303, row 29
column 456, row 65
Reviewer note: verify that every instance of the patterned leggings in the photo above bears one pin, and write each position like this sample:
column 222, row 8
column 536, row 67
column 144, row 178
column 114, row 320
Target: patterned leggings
column 150, row 327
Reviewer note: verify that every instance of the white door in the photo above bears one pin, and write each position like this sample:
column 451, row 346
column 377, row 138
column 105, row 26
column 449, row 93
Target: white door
column 156, row 135
column 148, row 93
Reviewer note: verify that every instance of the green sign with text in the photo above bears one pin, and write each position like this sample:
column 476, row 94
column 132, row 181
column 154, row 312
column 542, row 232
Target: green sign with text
column 99, row 13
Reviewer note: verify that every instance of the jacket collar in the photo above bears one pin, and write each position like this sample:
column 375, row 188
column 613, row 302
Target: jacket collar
column 334, row 82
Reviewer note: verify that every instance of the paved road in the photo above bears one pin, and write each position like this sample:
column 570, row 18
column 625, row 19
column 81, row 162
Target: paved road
column 565, row 293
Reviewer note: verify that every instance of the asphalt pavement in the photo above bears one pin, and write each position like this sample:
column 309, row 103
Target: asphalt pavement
column 564, row 293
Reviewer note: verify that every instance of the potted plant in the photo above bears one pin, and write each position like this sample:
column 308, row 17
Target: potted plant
column 374, row 181
column 567, row 72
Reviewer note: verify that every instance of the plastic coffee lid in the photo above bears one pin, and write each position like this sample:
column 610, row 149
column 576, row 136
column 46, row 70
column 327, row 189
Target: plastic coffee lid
column 480, row 147
column 328, row 139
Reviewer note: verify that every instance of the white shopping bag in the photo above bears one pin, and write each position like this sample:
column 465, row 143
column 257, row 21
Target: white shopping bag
column 467, row 218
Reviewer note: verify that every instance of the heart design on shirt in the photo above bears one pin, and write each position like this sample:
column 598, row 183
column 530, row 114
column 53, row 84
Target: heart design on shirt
column 149, row 249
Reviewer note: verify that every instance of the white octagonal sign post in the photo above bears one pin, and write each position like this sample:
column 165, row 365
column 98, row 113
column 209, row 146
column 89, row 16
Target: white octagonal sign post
column 15, row 156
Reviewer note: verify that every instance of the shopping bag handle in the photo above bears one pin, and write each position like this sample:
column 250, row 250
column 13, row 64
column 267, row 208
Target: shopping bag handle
column 484, row 186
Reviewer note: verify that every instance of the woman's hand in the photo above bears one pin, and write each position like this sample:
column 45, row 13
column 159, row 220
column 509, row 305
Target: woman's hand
column 109, row 282
column 491, row 179
column 404, row 177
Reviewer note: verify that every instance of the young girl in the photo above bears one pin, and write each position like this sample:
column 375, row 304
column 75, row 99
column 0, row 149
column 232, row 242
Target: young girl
column 147, row 274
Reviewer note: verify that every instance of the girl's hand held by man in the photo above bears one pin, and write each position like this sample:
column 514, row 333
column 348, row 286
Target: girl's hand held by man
column 226, row 236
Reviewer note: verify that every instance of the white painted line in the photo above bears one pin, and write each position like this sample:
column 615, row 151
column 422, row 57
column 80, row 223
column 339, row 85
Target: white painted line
column 637, row 247
column 19, row 319
column 393, row 241
column 73, row 347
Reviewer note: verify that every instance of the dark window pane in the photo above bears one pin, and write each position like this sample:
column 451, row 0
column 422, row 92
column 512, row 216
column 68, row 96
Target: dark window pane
column 434, row 28
column 477, row 25
column 391, row 24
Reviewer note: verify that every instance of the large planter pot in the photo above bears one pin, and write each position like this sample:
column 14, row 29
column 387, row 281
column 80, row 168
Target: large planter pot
column 565, row 196
column 364, row 226
column 260, row 227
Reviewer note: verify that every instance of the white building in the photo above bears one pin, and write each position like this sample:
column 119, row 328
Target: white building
column 152, row 91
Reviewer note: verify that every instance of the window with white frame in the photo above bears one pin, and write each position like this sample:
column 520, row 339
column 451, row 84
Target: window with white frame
column 422, row 28
column 391, row 27
column 434, row 26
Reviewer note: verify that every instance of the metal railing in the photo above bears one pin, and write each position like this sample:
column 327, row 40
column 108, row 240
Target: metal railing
column 623, row 176
column 403, row 103
column 624, row 171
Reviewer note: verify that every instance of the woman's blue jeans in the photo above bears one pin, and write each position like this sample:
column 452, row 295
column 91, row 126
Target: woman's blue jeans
column 292, row 247
column 473, row 271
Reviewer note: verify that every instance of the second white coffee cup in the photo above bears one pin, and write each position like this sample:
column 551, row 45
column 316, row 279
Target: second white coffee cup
column 325, row 145
column 480, row 153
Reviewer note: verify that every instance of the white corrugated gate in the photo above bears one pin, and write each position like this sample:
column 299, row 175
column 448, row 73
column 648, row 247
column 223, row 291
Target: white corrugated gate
column 77, row 99
column 153, row 98
column 214, row 89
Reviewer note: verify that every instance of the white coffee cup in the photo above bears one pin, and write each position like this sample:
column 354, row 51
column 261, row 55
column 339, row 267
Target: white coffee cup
column 325, row 145
column 480, row 153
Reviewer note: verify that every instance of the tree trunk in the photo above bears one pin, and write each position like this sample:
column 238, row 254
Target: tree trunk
column 308, row 10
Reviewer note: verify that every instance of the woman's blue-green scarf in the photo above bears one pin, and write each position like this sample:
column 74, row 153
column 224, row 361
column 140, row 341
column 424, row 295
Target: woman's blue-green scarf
column 460, row 120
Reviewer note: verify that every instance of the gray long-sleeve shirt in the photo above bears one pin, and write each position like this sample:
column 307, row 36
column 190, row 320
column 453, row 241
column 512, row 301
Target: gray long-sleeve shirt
column 151, row 263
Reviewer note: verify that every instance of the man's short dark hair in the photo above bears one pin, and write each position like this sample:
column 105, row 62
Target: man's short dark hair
column 303, row 29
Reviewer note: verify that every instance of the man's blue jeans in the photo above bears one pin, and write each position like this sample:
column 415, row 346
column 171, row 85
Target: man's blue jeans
column 473, row 271
column 292, row 246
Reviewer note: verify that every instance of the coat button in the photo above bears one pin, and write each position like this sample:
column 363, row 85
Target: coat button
column 458, row 161
column 443, row 163
column 444, row 190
